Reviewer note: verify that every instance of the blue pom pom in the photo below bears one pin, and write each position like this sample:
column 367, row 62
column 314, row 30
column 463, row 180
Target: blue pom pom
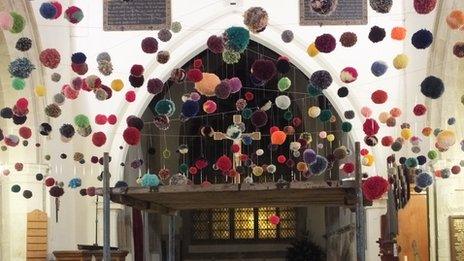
column 247, row 140
column 319, row 165
column 411, row 162
column 21, row 68
column 451, row 121
column 47, row 10
column 165, row 107
column 237, row 38
column 75, row 183
column 78, row 58
column 379, row 68
column 422, row 159
column 190, row 108
column 150, row 180
column 309, row 156
column 422, row 39
column 423, row 180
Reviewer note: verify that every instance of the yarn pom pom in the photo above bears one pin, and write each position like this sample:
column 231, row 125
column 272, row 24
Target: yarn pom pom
column 23, row 44
column 256, row 19
column 81, row 121
column 237, row 38
column 309, row 156
column 215, row 44
column 18, row 23
column 190, row 108
column 6, row 20
column 321, row 79
column 230, row 56
column 398, row 33
column 112, row 119
column 137, row 70
column 130, row 96
column 222, row 90
column 370, row 127
column 424, row 180
column 18, row 84
column 48, row 10
column 74, row 14
column 348, row 39
column 224, row 163
column 319, row 166
column 155, row 86
column 422, row 39
column 98, row 139
column 78, row 58
column 401, row 61
column 287, row 36
column 21, row 68
column 164, row 35
column 136, row 81
column 259, row 118
column 424, row 6
column 455, row 19
column 263, row 70
column 419, row 109
column 381, row 6
column 56, row 191
column 101, row 119
column 348, row 75
column 379, row 68
column 379, row 97
column 374, row 187
column 283, row 65
column 150, row 180
column 208, row 84
column 432, row 87
column 165, row 107
column 50, row 58
column 67, row 131
column 194, row 75
column 131, row 135
column 377, row 34
column 458, row 49
column 149, row 45
column 25, row 132
column 325, row 43
column 59, row 9
column 235, row 84
column 163, row 57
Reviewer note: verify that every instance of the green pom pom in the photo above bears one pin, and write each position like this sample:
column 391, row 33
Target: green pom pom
column 15, row 188
column 411, row 163
column 284, row 84
column 81, row 121
column 237, row 38
column 325, row 115
column 18, row 23
column 433, row 154
column 436, row 131
column 183, row 168
column 18, row 84
column 346, row 126
column 4, row 148
column 246, row 113
column 230, row 57
column 47, row 157
column 176, row 27
column 313, row 91
column 288, row 115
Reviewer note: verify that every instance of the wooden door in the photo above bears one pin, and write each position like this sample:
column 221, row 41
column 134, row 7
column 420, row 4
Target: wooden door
column 36, row 235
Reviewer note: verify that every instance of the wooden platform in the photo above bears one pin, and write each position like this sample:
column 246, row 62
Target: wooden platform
column 168, row 199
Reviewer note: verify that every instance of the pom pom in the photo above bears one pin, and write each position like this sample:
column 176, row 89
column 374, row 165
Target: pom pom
column 23, row 44
column 112, row 119
column 348, row 39
column 25, row 132
column 190, row 108
column 22, row 103
column 78, row 58
column 379, row 97
column 209, row 106
column 100, row 119
column 176, row 27
column 130, row 96
column 283, row 102
column 67, row 131
column 309, row 156
column 18, row 84
column 230, row 56
column 164, row 35
column 165, row 107
column 259, row 118
column 56, row 191
column 117, row 85
column 422, row 39
column 235, row 84
column 80, row 69
column 325, row 43
column 381, row 6
column 18, row 23
column 370, row 127
column 374, row 187
column 21, row 68
column 149, row 45
column 150, row 180
column 283, row 65
column 48, row 10
column 278, row 137
column 215, row 44
column 342, row 92
column 224, row 163
column 137, row 70
column 287, row 36
column 348, row 75
column 256, row 19
column 69, row 92
column 379, row 68
column 98, row 139
column 377, row 34
column 319, row 166
column 274, row 220
column 455, row 19
column 398, row 33
column 163, row 57
column 81, row 121
column 424, row 180
column 312, row 50
column 194, row 75
column 131, row 135
column 6, row 20
column 458, row 49
column 263, row 70
column 432, row 87
column 284, row 84
column 401, row 61
column 208, row 84
column 53, row 110
column 411, row 163
column 59, row 9
column 222, row 90
column 134, row 121
column 237, row 38
column 424, row 6
column 321, row 79
column 74, row 14
column 155, row 86
column 40, row 90
column 419, row 109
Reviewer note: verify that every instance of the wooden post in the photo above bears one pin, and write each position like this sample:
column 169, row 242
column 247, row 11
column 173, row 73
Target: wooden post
column 360, row 229
column 172, row 238
column 106, row 208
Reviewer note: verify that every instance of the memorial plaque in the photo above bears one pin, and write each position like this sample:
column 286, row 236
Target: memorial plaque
column 131, row 15
column 333, row 12
column 456, row 224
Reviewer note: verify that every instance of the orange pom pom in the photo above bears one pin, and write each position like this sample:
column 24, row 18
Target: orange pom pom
column 278, row 137
column 455, row 19
column 398, row 33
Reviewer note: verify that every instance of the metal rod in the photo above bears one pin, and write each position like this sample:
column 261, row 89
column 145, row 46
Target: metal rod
column 172, row 238
column 96, row 222
column 360, row 229
column 106, row 208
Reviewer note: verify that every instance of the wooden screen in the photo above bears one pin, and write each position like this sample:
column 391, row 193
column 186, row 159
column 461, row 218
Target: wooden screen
column 36, row 235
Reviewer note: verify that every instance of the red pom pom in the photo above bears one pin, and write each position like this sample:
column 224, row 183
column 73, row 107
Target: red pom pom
column 419, row 109
column 249, row 96
column 130, row 96
column 274, row 219
column 19, row 166
column 49, row 182
column 296, row 122
column 273, row 129
column 370, row 127
column 94, row 159
column 455, row 169
column 201, row 163
column 244, row 157
column 25, row 132
column 387, row 141
column 348, row 167
column 131, row 135
column 80, row 69
column 22, row 103
column 59, row 9
column 99, row 139
column 194, row 75
column 193, row 170
column 364, row 152
column 235, row 148
column 379, row 97
column 198, row 64
column 100, row 119
column 281, row 159
column 112, row 119
column 224, row 163
column 136, row 70
column 374, row 187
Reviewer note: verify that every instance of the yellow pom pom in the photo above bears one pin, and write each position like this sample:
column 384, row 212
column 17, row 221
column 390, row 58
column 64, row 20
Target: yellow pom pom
column 368, row 160
column 406, row 133
column 40, row 90
column 312, row 50
column 302, row 166
column 314, row 111
column 257, row 171
column 117, row 85
column 401, row 61
column 330, row 137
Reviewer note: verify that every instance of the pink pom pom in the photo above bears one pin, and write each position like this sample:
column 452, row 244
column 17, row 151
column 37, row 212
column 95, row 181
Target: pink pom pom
column 6, row 21
column 112, row 119
column 100, row 119
column 69, row 92
column 22, row 103
column 274, row 219
column 130, row 96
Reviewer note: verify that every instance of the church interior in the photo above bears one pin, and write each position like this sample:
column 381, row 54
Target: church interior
column 254, row 130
